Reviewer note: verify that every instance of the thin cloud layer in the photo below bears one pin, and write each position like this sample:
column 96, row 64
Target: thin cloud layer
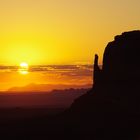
column 64, row 70
column 46, row 74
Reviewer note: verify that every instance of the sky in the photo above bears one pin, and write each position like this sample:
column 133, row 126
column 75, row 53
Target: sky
column 62, row 31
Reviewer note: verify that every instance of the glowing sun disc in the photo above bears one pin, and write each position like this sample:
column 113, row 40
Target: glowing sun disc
column 23, row 69
column 23, row 65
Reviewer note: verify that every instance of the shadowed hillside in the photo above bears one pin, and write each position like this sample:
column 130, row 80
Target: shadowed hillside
column 38, row 99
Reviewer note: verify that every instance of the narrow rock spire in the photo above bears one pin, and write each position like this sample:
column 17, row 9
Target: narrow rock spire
column 96, row 71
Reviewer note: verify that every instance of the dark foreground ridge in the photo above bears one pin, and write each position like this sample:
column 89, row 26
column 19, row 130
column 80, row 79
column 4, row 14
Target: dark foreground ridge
column 110, row 110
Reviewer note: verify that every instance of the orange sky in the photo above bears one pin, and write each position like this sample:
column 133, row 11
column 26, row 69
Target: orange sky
column 55, row 75
column 62, row 31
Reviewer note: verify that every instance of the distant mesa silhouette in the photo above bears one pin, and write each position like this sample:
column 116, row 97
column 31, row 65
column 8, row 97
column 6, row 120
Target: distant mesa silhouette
column 32, row 87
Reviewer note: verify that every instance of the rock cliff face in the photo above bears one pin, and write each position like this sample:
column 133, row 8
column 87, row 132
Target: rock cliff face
column 121, row 62
column 120, row 74
column 113, row 104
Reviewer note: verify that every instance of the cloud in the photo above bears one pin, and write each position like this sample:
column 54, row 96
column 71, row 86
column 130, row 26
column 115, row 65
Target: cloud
column 62, row 70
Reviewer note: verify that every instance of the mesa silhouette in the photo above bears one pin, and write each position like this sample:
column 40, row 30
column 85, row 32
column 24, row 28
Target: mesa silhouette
column 112, row 108
column 46, row 87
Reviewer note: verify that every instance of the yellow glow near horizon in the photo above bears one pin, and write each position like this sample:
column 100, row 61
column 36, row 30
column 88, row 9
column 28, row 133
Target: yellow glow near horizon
column 23, row 69
column 16, row 53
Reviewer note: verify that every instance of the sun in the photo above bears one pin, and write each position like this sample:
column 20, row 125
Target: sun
column 23, row 65
column 23, row 68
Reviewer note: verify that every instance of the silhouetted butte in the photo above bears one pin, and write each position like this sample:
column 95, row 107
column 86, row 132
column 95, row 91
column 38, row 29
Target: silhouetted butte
column 111, row 109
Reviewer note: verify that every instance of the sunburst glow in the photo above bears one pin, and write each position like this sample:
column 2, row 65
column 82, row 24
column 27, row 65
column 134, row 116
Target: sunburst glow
column 24, row 65
column 23, row 69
